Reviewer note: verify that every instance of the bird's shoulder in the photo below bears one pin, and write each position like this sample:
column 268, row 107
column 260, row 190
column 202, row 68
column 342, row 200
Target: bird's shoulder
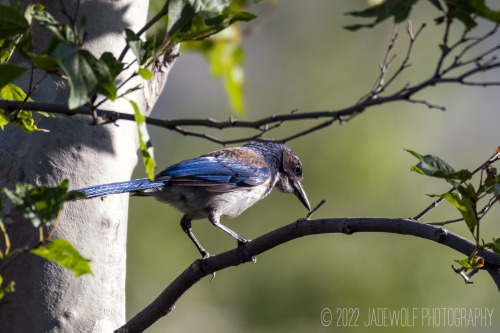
column 239, row 154
column 229, row 166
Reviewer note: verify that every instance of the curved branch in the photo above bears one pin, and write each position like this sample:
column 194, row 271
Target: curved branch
column 165, row 302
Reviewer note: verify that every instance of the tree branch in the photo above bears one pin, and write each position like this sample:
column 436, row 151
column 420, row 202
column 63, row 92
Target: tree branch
column 458, row 66
column 165, row 302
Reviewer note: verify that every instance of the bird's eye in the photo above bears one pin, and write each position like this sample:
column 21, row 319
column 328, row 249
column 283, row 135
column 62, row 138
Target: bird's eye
column 298, row 170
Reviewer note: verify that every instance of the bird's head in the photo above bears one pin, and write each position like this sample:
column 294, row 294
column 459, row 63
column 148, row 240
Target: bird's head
column 290, row 175
column 284, row 164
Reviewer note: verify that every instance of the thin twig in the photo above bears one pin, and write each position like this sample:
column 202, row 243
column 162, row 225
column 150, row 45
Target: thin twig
column 315, row 209
column 445, row 222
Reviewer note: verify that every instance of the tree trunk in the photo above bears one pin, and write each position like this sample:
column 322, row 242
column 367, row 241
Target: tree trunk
column 49, row 298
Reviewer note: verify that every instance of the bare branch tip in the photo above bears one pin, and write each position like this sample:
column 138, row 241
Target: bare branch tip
column 315, row 209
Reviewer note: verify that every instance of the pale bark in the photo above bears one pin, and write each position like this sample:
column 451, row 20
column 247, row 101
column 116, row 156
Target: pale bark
column 49, row 298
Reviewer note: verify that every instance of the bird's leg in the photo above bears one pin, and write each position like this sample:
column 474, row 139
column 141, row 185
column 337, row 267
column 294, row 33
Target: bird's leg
column 241, row 241
column 186, row 227
column 215, row 221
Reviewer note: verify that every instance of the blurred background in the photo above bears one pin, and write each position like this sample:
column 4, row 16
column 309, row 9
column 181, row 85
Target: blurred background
column 301, row 58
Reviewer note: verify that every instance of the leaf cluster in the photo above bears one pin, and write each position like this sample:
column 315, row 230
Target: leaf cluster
column 103, row 78
column 41, row 207
column 465, row 196
column 466, row 11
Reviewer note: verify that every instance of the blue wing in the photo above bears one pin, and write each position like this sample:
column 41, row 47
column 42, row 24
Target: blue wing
column 215, row 171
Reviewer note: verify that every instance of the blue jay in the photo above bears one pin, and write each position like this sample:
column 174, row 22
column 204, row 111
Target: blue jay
column 221, row 183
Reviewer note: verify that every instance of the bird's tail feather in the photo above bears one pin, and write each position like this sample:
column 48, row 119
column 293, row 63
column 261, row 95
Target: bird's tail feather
column 120, row 187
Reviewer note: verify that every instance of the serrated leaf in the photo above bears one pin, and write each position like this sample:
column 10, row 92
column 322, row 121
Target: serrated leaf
column 399, row 9
column 434, row 166
column 202, row 27
column 12, row 22
column 464, row 206
column 63, row 253
column 145, row 73
column 24, row 118
column 194, row 25
column 87, row 74
column 26, row 122
column 115, row 67
column 146, row 146
column 9, row 73
column 142, row 50
column 39, row 205
column 196, row 20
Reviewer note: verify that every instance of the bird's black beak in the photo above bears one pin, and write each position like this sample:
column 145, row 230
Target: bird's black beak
column 301, row 194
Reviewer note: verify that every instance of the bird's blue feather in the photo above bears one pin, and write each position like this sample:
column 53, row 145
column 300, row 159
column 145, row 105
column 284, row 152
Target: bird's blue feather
column 221, row 170
column 120, row 187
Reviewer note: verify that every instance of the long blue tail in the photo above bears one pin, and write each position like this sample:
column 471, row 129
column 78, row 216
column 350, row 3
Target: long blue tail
column 121, row 187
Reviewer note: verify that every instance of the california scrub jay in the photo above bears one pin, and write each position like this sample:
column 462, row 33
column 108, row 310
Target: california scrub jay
column 221, row 183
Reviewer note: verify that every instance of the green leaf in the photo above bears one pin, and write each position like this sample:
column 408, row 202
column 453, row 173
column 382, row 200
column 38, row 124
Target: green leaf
column 87, row 74
column 39, row 205
column 63, row 253
column 26, row 122
column 6, row 46
column 495, row 246
column 463, row 11
column 24, row 118
column 202, row 27
column 484, row 11
column 4, row 118
column 11, row 92
column 62, row 32
column 472, row 262
column 464, row 206
column 31, row 10
column 145, row 142
column 145, row 73
column 142, row 50
column 8, row 73
column 45, row 62
column 8, row 288
column 399, row 9
column 189, row 21
column 434, row 166
column 12, row 22
column 115, row 67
